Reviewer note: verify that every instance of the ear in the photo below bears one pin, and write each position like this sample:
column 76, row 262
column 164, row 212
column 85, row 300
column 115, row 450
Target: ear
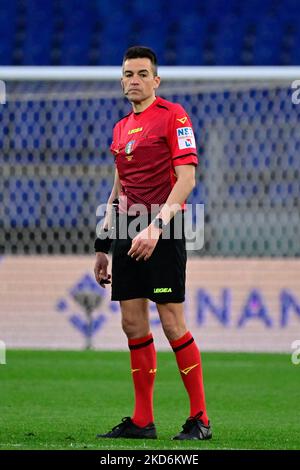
column 156, row 82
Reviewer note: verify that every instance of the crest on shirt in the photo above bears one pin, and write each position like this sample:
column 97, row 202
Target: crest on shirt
column 129, row 147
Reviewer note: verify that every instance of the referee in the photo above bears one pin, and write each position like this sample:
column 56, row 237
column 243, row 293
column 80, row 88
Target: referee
column 155, row 158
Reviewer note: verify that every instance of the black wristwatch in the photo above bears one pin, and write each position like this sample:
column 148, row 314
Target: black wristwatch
column 159, row 223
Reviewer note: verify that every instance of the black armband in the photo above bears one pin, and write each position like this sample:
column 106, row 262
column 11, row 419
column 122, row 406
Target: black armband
column 103, row 243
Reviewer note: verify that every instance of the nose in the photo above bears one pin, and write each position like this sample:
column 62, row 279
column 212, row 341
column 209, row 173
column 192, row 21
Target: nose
column 135, row 80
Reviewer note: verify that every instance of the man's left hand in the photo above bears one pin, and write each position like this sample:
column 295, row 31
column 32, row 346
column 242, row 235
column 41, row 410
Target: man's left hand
column 143, row 244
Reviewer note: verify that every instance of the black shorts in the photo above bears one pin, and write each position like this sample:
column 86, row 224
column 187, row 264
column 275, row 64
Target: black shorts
column 161, row 278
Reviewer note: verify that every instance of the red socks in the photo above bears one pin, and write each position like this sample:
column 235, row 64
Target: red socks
column 143, row 369
column 189, row 363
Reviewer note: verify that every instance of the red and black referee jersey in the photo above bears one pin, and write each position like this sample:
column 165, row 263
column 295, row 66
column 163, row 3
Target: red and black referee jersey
column 147, row 146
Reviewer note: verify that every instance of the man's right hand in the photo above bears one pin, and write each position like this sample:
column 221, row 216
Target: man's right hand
column 100, row 269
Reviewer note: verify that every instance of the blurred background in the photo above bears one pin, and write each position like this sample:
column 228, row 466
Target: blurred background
column 96, row 32
column 55, row 166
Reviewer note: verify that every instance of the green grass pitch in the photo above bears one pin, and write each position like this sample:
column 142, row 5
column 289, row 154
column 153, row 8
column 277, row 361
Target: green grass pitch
column 61, row 400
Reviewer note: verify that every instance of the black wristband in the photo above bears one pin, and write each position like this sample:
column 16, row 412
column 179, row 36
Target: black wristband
column 103, row 243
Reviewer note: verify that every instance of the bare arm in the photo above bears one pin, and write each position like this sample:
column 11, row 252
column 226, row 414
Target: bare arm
column 101, row 263
column 181, row 190
column 115, row 192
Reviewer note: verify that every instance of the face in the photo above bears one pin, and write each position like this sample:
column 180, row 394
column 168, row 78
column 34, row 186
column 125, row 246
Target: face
column 138, row 80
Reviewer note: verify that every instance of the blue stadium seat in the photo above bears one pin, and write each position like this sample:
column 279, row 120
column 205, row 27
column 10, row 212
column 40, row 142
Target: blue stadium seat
column 8, row 31
column 190, row 40
column 268, row 41
column 229, row 41
column 97, row 32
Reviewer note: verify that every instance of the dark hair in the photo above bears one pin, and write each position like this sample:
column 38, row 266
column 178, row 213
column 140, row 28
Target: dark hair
column 140, row 52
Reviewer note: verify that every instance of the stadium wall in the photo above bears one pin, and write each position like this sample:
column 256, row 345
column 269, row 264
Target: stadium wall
column 231, row 305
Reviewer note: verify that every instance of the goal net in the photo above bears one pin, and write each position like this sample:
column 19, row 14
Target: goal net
column 56, row 167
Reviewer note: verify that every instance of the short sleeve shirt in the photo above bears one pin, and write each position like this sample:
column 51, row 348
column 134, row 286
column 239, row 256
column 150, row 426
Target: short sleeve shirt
column 147, row 147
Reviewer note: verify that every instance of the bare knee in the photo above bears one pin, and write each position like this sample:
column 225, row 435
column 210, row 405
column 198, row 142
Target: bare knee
column 135, row 318
column 131, row 326
column 172, row 320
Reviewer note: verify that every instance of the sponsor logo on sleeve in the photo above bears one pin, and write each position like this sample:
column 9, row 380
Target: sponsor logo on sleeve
column 185, row 138
column 182, row 120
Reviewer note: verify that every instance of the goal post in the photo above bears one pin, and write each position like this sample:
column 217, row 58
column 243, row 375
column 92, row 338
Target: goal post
column 102, row 73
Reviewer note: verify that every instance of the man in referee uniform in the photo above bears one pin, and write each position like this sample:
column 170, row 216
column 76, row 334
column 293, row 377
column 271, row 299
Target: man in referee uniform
column 155, row 156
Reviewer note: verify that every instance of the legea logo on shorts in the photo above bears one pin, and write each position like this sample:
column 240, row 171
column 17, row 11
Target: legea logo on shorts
column 162, row 290
column 2, row 353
